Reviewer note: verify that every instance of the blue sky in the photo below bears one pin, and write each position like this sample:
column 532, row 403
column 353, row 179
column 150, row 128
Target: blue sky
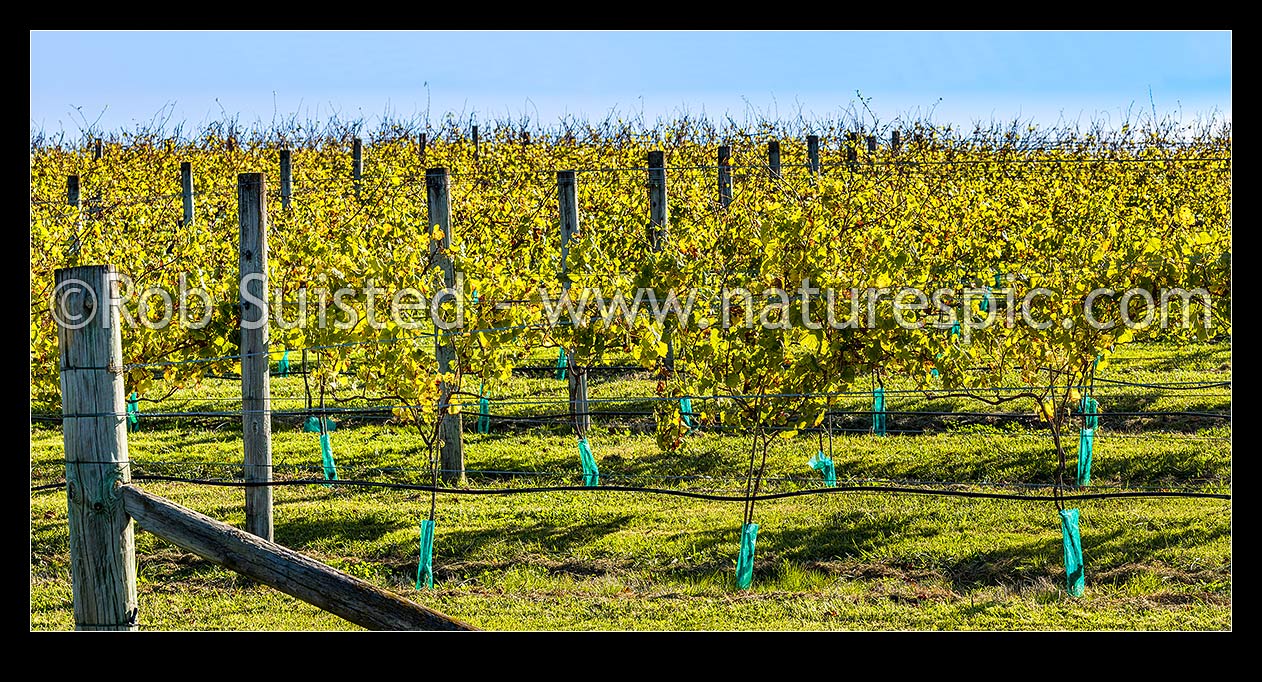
column 124, row 78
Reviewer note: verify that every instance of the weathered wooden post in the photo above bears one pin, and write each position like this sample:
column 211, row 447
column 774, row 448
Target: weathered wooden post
column 73, row 199
column 659, row 226
column 186, row 191
column 567, row 200
column 94, row 202
column 852, row 150
column 451, row 456
column 475, row 143
column 357, row 169
column 812, row 153
column 725, row 175
column 773, row 158
column 424, row 143
column 94, row 433
column 657, row 200
column 256, row 409
column 567, row 195
column 895, row 141
column 286, row 179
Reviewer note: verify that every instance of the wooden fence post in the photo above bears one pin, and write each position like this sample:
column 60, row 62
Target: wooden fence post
column 659, row 226
column 567, row 195
column 567, row 200
column 475, row 143
column 451, row 456
column 852, row 151
column 895, row 141
column 424, row 143
column 286, row 178
column 773, row 158
column 725, row 175
column 73, row 199
column 94, row 433
column 657, row 200
column 186, row 190
column 812, row 153
column 256, row 409
column 357, row 169
column 94, row 202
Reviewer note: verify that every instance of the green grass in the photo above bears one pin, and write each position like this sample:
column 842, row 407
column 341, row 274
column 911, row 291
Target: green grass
column 615, row 561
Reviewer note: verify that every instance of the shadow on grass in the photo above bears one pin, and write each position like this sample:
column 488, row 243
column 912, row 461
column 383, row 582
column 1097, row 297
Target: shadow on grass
column 365, row 527
column 546, row 537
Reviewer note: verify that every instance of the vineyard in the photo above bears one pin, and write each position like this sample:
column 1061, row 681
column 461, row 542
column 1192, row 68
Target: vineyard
column 939, row 466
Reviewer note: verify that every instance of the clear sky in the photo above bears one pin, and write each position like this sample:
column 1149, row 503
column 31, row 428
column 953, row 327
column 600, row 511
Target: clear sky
column 124, row 78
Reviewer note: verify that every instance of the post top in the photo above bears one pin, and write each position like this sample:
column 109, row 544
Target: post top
column 79, row 271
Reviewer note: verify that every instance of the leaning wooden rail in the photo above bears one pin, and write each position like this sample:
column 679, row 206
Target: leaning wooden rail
column 280, row 567
column 102, row 503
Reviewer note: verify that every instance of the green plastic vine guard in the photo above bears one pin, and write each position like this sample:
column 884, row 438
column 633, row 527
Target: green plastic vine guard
column 1090, row 409
column 878, row 411
column 591, row 474
column 1075, row 576
column 484, row 415
column 326, row 458
column 1085, row 442
column 561, row 364
column 745, row 560
column 133, row 412
column 824, row 465
column 282, row 367
column 685, row 409
column 425, row 565
column 312, row 425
